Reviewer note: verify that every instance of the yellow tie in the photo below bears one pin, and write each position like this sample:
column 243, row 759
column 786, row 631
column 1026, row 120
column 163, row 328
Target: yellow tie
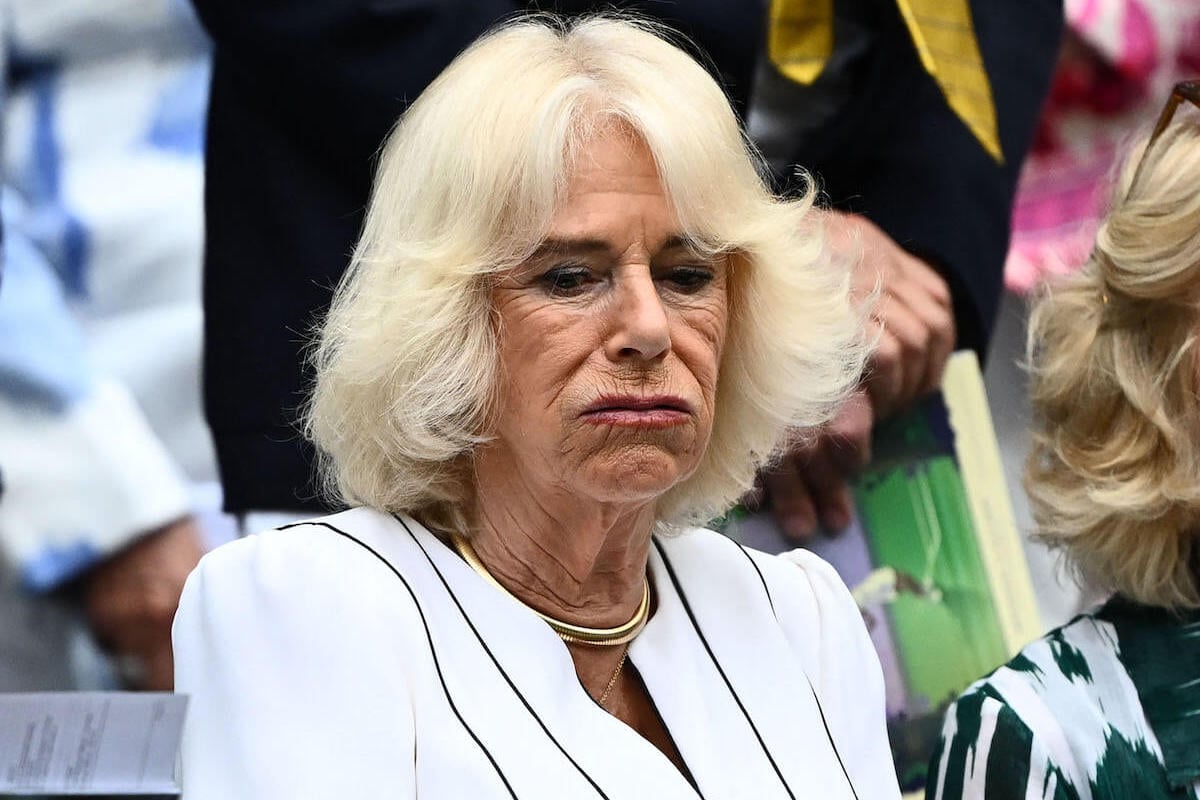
column 800, row 37
column 800, row 42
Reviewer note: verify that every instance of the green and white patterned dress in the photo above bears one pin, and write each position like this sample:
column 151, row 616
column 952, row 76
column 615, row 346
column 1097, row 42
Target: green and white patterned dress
column 1105, row 708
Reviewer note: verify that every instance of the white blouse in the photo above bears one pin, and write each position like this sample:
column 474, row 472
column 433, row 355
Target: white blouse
column 357, row 656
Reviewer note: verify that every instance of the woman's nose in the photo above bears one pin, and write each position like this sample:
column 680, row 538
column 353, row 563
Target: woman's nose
column 640, row 329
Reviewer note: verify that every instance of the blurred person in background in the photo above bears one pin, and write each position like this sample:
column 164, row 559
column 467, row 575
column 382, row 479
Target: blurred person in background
column 1107, row 707
column 107, row 464
column 1119, row 58
column 915, row 116
column 873, row 96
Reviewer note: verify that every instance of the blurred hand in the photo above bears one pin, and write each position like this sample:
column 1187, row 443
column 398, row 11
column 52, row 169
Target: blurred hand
column 914, row 321
column 809, row 487
column 130, row 601
column 913, row 316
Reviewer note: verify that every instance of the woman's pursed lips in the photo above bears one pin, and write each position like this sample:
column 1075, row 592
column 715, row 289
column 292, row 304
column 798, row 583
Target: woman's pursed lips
column 651, row 411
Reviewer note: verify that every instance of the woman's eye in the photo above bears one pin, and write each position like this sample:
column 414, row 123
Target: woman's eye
column 566, row 281
column 690, row 278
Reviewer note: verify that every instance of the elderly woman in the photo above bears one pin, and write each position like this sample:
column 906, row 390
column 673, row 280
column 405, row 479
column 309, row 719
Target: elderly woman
column 575, row 324
column 1108, row 707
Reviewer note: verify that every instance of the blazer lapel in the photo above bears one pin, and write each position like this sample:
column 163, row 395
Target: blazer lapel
column 767, row 725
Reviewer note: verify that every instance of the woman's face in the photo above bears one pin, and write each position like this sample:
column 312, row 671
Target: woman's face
column 610, row 339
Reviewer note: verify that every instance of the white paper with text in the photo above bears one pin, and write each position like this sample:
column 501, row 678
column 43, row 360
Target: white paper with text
column 81, row 743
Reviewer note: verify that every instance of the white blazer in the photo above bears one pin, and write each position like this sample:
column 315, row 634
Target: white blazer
column 357, row 656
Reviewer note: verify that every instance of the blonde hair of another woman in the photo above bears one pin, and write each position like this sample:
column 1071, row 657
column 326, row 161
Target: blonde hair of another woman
column 1114, row 473
column 406, row 363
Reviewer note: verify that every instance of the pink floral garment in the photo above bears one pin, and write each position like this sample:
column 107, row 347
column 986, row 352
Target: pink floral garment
column 1119, row 60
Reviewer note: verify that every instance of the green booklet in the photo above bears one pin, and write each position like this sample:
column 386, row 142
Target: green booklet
column 933, row 558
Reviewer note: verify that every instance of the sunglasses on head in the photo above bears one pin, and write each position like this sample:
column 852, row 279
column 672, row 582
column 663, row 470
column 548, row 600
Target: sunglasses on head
column 1185, row 90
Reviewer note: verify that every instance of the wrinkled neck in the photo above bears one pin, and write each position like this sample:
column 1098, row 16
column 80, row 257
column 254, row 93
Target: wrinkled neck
column 573, row 558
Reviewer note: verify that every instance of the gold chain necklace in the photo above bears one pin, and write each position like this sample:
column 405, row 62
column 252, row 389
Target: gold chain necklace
column 613, row 680
column 578, row 634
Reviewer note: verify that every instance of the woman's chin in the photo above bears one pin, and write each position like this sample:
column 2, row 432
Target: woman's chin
column 638, row 476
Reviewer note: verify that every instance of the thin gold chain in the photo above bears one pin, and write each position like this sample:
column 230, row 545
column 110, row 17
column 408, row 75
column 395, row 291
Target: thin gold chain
column 613, row 680
column 578, row 634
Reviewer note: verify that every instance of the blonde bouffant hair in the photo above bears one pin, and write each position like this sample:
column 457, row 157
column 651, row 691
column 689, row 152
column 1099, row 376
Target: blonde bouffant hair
column 1114, row 473
column 406, row 361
